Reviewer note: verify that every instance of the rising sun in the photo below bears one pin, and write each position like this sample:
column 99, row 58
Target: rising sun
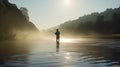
column 67, row 3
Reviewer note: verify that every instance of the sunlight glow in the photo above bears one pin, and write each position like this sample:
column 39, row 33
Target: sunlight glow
column 67, row 3
column 67, row 56
column 67, row 53
column 71, row 40
column 66, row 40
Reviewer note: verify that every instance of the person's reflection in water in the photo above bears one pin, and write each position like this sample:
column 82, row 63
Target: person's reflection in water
column 57, row 33
column 57, row 46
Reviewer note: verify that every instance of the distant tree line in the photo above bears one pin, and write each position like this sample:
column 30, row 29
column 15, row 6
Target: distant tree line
column 107, row 22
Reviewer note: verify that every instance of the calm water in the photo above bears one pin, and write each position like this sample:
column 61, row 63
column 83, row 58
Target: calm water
column 81, row 53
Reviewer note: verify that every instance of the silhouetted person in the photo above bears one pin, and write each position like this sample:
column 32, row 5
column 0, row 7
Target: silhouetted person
column 57, row 33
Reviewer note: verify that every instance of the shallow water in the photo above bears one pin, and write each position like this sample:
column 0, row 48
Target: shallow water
column 82, row 53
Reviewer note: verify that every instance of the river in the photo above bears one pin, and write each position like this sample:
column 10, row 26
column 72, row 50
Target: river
column 71, row 53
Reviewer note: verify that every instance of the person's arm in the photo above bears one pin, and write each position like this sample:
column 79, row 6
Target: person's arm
column 55, row 33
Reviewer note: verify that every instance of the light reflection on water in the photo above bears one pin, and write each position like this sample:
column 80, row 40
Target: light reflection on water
column 89, row 53
column 72, row 40
column 67, row 56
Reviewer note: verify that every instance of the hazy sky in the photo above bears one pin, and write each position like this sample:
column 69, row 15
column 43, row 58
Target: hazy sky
column 48, row 13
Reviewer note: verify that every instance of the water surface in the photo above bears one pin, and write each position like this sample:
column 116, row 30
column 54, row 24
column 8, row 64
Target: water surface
column 81, row 53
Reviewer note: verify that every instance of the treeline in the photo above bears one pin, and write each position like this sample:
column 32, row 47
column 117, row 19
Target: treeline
column 14, row 22
column 107, row 22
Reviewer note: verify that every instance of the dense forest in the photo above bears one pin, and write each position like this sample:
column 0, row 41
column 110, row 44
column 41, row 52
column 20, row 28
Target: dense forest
column 14, row 21
column 104, row 23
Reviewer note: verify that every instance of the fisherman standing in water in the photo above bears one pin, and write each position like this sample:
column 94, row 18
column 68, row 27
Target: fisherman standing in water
column 57, row 33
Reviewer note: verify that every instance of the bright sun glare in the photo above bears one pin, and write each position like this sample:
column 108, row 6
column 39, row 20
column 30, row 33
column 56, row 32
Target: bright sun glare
column 66, row 40
column 67, row 3
column 71, row 40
